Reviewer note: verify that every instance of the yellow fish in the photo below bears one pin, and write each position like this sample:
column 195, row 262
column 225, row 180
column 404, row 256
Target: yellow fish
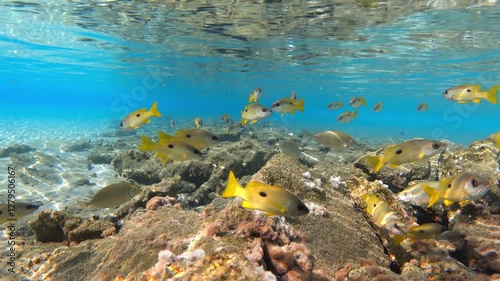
column 16, row 211
column 271, row 199
column 357, row 102
column 225, row 118
column 196, row 137
column 463, row 188
column 285, row 105
column 139, row 117
column 406, row 152
column 415, row 194
column 422, row 232
column 112, row 195
column 198, row 122
column 170, row 149
column 255, row 95
column 422, row 107
column 465, row 93
column 383, row 215
column 253, row 113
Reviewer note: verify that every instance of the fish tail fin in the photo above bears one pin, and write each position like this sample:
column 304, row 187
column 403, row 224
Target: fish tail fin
column 154, row 110
column 492, row 94
column 398, row 239
column 83, row 204
column 232, row 187
column 433, row 194
column 307, row 136
column 377, row 162
column 363, row 101
column 355, row 114
column 498, row 139
column 147, row 144
column 300, row 105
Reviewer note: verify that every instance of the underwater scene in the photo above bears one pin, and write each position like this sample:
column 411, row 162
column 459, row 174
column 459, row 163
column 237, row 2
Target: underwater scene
column 250, row 140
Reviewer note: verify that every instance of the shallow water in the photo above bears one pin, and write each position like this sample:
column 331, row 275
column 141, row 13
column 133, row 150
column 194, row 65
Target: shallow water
column 72, row 70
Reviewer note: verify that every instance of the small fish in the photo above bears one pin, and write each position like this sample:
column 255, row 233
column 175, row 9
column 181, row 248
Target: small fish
column 465, row 93
column 139, row 117
column 112, row 195
column 422, row 107
column 335, row 105
column 347, row 116
column 16, row 211
column 172, row 123
column 406, row 152
column 255, row 95
column 463, row 188
column 285, row 105
column 225, row 118
column 293, row 96
column 253, row 113
column 383, row 215
column 422, row 232
column 196, row 137
column 331, row 139
column 271, row 199
column 377, row 107
column 198, row 122
column 289, row 148
column 170, row 149
column 233, row 128
column 357, row 102
column 415, row 194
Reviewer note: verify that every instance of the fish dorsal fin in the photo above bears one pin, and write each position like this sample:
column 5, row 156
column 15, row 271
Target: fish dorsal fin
column 164, row 137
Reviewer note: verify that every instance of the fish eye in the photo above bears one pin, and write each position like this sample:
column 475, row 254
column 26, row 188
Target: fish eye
column 1, row 212
column 277, row 104
column 474, row 182
column 264, row 109
column 30, row 207
column 121, row 124
column 396, row 226
column 262, row 194
column 290, row 103
column 468, row 90
column 246, row 110
column 214, row 138
column 170, row 146
column 446, row 92
column 188, row 136
column 197, row 152
column 138, row 115
column 341, row 117
column 421, row 231
column 435, row 145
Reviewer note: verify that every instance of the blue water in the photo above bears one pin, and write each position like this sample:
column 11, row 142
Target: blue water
column 78, row 70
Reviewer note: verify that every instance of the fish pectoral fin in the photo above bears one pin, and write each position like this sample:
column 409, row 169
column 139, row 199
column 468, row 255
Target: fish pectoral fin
column 243, row 122
column 393, row 165
column 476, row 100
column 398, row 239
column 448, row 202
column 254, row 121
column 465, row 202
column 433, row 194
column 462, row 101
column 147, row 121
column 247, row 205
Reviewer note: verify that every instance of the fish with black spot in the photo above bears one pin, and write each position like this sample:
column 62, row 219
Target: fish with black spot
column 169, row 148
column 384, row 216
column 272, row 200
column 407, row 152
column 16, row 211
column 139, row 117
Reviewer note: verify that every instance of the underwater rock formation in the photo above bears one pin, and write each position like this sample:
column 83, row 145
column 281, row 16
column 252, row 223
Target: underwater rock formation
column 138, row 166
column 16, row 148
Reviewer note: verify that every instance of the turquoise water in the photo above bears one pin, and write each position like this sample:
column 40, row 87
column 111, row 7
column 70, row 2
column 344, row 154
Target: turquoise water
column 95, row 63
